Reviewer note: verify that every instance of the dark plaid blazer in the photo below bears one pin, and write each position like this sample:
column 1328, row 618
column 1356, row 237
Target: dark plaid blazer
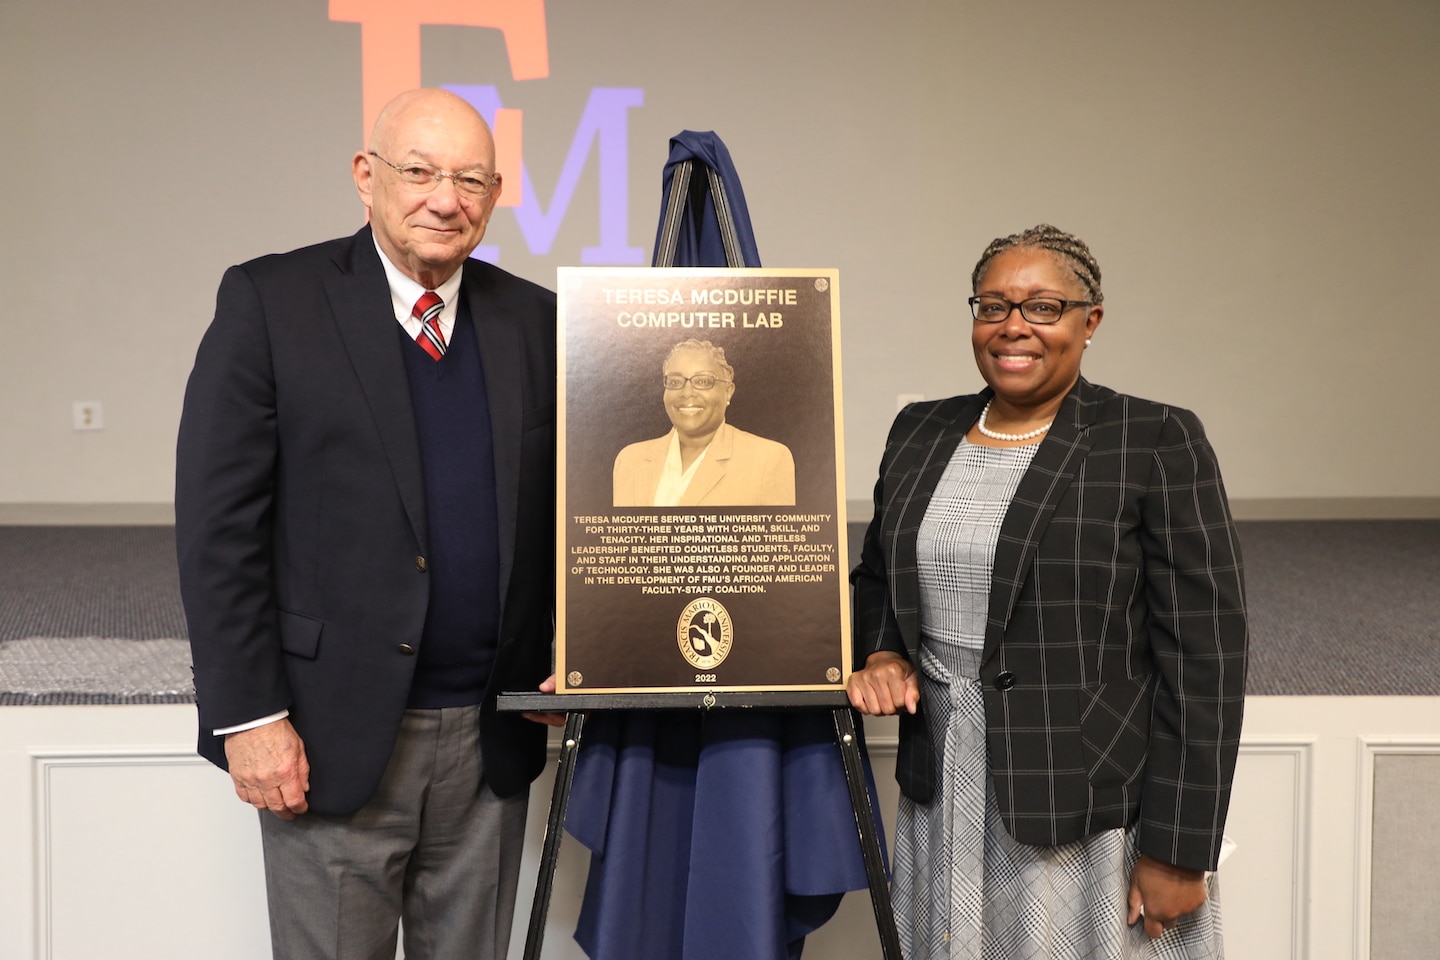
column 1114, row 659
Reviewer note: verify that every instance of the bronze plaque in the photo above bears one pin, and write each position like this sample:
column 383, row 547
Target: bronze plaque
column 701, row 492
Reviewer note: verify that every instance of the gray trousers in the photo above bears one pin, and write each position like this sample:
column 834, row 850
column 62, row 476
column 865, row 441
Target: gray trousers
column 434, row 847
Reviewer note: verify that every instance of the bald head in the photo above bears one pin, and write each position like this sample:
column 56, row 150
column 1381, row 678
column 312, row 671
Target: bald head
column 425, row 106
column 427, row 230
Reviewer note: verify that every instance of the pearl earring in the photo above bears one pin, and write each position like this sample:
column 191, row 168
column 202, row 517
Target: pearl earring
column 1087, row 341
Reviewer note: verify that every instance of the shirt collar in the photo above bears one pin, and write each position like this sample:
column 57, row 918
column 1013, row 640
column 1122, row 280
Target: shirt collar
column 405, row 291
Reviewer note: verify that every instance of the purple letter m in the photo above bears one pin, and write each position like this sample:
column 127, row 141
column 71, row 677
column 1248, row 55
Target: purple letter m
column 605, row 120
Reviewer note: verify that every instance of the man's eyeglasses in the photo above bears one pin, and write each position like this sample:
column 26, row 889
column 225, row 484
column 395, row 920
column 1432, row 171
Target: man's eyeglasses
column 701, row 381
column 423, row 177
column 1040, row 310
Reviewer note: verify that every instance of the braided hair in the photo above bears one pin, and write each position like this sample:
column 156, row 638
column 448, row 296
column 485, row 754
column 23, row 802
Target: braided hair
column 1070, row 248
column 702, row 346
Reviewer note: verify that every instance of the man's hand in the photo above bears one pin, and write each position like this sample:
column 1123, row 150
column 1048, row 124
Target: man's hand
column 886, row 684
column 269, row 768
column 1164, row 892
column 549, row 719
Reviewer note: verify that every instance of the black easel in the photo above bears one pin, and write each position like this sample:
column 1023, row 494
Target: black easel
column 574, row 707
column 691, row 183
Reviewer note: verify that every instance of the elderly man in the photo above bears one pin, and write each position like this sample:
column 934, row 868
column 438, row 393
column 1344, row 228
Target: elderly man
column 365, row 524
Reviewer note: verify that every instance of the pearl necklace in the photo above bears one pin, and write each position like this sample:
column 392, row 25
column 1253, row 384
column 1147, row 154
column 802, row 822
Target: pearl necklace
column 996, row 435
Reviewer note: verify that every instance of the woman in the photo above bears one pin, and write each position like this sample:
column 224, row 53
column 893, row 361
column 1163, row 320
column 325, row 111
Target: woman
column 1050, row 596
column 703, row 461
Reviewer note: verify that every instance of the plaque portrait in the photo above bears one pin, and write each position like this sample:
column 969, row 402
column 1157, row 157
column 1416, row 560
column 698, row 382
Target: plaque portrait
column 701, row 531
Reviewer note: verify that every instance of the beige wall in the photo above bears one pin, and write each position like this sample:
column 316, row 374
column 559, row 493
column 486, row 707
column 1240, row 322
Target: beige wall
column 1257, row 180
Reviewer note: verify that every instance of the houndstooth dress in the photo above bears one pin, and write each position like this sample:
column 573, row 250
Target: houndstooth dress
column 963, row 888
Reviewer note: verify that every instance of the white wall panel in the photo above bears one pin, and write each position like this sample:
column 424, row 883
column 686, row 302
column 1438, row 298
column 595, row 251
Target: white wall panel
column 1389, row 928
column 1270, row 823
column 142, row 848
column 118, row 843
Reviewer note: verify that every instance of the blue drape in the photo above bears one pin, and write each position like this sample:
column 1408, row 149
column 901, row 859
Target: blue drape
column 699, row 243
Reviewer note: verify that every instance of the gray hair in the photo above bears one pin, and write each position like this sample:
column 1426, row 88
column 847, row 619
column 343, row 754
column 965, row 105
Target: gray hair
column 1068, row 247
column 717, row 353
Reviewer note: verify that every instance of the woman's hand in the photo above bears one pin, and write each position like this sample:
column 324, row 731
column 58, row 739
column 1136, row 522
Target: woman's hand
column 1164, row 892
column 887, row 683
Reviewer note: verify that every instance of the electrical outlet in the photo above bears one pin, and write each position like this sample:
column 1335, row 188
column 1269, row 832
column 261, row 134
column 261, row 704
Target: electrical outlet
column 902, row 400
column 88, row 415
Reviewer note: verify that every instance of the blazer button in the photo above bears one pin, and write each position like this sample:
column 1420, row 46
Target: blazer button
column 1005, row 680
column 406, row 649
column 420, row 564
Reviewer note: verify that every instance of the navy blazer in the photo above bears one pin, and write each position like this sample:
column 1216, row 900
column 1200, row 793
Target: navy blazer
column 300, row 511
column 1115, row 645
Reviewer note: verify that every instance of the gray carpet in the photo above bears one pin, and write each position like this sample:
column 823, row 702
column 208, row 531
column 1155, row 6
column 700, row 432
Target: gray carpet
column 89, row 582
column 92, row 614
column 1343, row 607
column 1337, row 607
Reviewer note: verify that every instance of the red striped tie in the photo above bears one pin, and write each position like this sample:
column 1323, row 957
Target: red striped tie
column 427, row 311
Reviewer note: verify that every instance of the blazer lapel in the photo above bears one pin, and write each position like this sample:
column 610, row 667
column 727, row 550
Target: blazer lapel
column 492, row 319
column 912, row 495
column 712, row 469
column 360, row 301
column 1056, row 464
column 644, row 475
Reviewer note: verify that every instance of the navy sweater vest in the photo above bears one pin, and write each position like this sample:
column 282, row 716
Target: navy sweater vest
column 452, row 420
